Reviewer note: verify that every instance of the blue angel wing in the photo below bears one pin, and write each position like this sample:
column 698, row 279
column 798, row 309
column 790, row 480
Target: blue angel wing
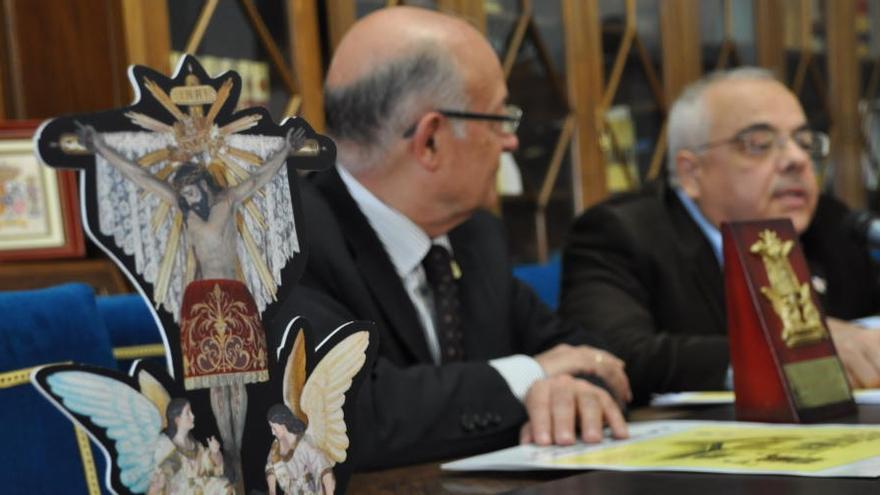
column 128, row 418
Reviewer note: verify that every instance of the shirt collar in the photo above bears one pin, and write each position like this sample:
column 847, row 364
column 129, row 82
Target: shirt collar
column 404, row 241
column 713, row 235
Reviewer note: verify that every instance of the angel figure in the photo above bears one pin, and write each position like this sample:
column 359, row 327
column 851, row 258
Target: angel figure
column 293, row 463
column 222, row 341
column 182, row 463
column 309, row 428
column 149, row 432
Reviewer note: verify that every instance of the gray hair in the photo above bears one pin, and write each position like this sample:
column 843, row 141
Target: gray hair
column 368, row 115
column 689, row 120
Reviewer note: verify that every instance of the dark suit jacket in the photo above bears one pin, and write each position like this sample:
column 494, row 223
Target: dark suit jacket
column 639, row 271
column 410, row 410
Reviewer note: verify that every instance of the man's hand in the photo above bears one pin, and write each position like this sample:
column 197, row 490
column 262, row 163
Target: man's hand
column 296, row 138
column 558, row 404
column 859, row 350
column 586, row 360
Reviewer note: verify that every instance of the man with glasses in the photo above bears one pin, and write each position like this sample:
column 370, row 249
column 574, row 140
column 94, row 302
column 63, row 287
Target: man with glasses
column 398, row 234
column 644, row 269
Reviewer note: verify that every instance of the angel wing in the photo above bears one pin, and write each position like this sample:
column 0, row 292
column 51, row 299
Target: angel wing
column 152, row 231
column 295, row 376
column 324, row 394
column 153, row 390
column 130, row 419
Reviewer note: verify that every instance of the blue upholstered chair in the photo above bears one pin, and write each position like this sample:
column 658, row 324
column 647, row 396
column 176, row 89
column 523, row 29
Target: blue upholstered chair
column 40, row 450
column 133, row 332
column 544, row 278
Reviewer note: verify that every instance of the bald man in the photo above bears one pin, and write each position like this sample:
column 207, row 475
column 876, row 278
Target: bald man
column 644, row 269
column 469, row 359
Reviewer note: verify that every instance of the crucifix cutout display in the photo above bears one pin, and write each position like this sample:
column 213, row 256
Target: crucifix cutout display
column 198, row 206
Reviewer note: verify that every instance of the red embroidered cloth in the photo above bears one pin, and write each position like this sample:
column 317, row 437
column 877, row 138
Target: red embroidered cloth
column 222, row 340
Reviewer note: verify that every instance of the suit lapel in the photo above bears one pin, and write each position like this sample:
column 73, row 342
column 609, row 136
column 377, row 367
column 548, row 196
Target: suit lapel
column 375, row 266
column 699, row 257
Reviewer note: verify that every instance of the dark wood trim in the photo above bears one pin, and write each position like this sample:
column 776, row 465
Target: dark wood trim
column 101, row 274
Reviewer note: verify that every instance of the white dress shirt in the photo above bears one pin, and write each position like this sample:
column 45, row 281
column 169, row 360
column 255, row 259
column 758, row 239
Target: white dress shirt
column 407, row 245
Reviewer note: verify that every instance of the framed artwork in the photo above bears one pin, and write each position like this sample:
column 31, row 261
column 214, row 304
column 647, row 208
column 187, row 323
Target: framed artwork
column 39, row 210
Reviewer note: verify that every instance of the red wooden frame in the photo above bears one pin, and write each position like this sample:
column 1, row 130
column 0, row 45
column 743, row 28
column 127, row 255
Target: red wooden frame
column 74, row 242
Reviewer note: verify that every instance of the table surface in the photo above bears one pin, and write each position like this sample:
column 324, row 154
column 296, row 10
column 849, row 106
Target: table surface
column 428, row 479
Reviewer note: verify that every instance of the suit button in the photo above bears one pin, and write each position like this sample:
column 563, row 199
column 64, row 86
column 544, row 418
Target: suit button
column 483, row 420
column 467, row 422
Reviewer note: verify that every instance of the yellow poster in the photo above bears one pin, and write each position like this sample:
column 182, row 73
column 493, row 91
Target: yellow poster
column 742, row 448
column 707, row 447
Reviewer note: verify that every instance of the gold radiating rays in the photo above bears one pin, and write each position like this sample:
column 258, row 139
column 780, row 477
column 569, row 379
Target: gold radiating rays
column 198, row 139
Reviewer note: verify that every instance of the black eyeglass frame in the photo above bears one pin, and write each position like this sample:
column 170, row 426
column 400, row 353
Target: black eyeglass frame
column 513, row 118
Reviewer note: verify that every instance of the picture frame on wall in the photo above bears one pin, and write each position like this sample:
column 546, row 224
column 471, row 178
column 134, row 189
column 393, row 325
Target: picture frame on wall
column 39, row 207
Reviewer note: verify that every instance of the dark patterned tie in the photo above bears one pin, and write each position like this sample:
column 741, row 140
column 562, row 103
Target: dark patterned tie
column 447, row 322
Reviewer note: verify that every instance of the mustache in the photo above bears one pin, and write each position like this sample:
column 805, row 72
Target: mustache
column 797, row 187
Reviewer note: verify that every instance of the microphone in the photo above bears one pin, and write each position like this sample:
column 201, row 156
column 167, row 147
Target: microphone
column 864, row 226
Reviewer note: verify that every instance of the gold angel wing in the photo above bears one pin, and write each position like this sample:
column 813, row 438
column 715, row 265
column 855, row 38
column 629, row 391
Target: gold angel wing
column 324, row 394
column 153, row 390
column 295, row 376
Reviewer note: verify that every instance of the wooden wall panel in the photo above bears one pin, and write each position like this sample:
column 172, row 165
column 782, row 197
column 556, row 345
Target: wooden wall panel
column 843, row 88
column 147, row 33
column 470, row 10
column 769, row 16
column 680, row 34
column 341, row 14
column 5, row 89
column 63, row 57
column 584, row 74
column 305, row 45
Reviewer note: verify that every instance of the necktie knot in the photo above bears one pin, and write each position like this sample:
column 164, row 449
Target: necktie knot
column 438, row 266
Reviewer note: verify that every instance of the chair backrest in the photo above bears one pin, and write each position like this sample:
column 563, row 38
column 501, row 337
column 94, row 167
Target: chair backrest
column 544, row 278
column 40, row 327
column 133, row 331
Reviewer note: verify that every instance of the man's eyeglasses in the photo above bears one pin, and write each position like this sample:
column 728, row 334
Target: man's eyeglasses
column 509, row 120
column 762, row 140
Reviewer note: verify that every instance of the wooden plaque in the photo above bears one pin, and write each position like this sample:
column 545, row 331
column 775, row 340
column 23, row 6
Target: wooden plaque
column 785, row 367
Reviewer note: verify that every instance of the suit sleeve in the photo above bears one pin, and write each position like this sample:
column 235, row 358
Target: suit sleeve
column 610, row 285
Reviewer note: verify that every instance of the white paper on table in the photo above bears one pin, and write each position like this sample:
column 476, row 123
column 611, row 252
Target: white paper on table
column 532, row 457
column 869, row 322
column 867, row 396
column 674, row 399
